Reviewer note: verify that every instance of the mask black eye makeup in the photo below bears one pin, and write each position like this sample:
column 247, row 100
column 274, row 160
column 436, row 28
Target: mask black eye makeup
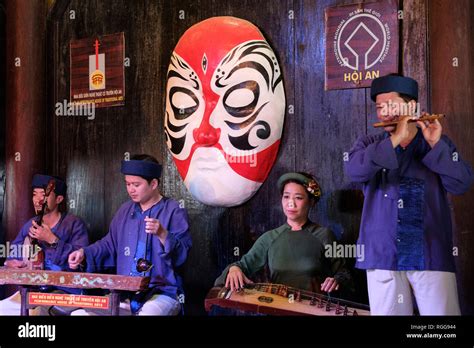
column 247, row 77
column 235, row 99
column 176, row 143
column 183, row 102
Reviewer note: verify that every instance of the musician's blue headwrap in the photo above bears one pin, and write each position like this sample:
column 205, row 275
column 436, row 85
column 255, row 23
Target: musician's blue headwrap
column 392, row 83
column 41, row 181
column 141, row 168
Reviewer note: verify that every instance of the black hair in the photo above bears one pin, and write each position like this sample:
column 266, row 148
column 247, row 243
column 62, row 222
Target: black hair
column 146, row 158
column 62, row 207
column 312, row 198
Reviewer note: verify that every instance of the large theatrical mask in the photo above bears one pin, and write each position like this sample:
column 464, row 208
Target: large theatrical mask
column 225, row 107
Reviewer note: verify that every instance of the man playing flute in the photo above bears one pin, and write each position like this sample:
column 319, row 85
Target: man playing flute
column 406, row 230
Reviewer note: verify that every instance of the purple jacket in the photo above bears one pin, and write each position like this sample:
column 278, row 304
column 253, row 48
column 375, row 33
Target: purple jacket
column 118, row 249
column 72, row 234
column 406, row 222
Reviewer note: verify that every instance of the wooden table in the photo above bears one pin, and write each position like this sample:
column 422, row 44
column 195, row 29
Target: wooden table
column 27, row 279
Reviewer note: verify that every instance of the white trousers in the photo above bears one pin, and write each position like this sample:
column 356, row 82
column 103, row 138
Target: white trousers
column 12, row 306
column 392, row 292
column 157, row 305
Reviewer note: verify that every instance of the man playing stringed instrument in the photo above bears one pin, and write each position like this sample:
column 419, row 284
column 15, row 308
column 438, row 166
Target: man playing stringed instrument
column 406, row 229
column 148, row 236
column 58, row 234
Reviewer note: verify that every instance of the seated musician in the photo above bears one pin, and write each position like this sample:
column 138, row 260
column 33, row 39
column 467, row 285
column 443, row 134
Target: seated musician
column 295, row 251
column 59, row 234
column 151, row 227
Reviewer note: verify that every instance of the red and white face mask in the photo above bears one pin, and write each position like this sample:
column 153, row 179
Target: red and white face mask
column 225, row 107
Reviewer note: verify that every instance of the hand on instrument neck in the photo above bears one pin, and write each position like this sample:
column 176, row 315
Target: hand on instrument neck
column 42, row 233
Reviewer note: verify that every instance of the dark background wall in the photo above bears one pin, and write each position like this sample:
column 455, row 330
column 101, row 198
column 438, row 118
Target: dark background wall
column 452, row 91
column 2, row 104
column 323, row 126
column 2, row 118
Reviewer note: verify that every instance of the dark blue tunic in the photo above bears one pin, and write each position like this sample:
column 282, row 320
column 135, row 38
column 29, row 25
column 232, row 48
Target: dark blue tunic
column 406, row 222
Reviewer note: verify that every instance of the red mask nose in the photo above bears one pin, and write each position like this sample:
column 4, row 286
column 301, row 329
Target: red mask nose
column 206, row 137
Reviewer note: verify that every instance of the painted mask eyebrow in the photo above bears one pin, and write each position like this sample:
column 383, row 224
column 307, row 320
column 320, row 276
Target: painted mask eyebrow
column 250, row 49
column 183, row 68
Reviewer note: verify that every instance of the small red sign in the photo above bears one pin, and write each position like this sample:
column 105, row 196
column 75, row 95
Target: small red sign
column 97, row 70
column 68, row 300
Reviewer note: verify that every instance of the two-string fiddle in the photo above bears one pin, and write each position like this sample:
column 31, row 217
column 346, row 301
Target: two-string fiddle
column 36, row 256
column 143, row 264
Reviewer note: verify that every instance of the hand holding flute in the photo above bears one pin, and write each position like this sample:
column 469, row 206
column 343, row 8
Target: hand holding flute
column 429, row 125
column 426, row 117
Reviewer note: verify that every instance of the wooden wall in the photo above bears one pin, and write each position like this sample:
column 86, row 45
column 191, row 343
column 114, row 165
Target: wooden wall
column 452, row 92
column 2, row 120
column 2, row 108
column 322, row 127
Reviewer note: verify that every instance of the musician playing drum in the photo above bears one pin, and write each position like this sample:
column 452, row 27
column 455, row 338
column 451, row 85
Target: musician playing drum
column 295, row 251
column 406, row 173
column 59, row 234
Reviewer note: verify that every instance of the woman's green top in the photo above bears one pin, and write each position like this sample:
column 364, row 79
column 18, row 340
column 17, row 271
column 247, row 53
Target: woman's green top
column 294, row 258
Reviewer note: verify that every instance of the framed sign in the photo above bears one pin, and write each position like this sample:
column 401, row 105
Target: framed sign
column 68, row 300
column 97, row 70
column 361, row 43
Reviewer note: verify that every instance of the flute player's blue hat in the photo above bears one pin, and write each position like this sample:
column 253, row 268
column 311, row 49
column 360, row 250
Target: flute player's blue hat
column 141, row 168
column 42, row 181
column 394, row 83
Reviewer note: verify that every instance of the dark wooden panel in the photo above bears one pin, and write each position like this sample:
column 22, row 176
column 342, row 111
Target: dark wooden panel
column 25, row 107
column 450, row 88
column 328, row 123
column 78, row 153
column 2, row 114
column 414, row 46
column 2, row 125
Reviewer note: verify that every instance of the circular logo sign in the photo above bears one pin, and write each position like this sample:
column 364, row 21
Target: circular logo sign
column 362, row 40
